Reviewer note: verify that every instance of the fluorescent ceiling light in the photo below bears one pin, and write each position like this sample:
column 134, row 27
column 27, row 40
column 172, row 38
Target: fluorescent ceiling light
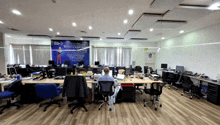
column 81, row 38
column 1, row 22
column 158, row 50
column 125, row 21
column 119, row 34
column 50, row 29
column 151, row 29
column 100, row 39
column 58, row 33
column 74, row 24
column 90, row 27
column 130, row 12
column 215, row 6
column 8, row 36
column 16, row 12
column 162, row 38
column 182, row 31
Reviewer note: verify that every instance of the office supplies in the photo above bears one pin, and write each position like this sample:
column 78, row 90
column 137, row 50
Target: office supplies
column 48, row 91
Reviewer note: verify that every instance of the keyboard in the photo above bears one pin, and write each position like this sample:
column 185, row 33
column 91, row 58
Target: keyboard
column 58, row 78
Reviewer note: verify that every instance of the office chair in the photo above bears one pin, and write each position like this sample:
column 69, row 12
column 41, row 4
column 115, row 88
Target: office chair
column 171, row 78
column 14, row 89
column 152, row 71
column 138, row 69
column 105, row 88
column 155, row 91
column 75, row 88
column 48, row 91
column 188, row 86
column 179, row 82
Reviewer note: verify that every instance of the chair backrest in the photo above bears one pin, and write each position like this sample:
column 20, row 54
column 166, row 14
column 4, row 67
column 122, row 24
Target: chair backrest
column 187, row 83
column 46, row 90
column 15, row 86
column 157, row 87
column 171, row 75
column 106, row 87
column 180, row 78
column 138, row 68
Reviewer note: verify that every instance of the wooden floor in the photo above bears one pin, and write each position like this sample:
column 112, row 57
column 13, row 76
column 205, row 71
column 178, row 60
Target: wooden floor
column 176, row 110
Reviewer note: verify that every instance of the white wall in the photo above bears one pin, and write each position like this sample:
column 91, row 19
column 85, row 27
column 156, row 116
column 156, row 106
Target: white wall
column 188, row 50
column 138, row 54
column 2, row 54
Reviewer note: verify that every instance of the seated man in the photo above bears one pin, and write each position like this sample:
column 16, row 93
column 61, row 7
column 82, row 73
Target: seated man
column 106, row 77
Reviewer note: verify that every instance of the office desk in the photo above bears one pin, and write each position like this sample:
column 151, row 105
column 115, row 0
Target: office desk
column 137, row 81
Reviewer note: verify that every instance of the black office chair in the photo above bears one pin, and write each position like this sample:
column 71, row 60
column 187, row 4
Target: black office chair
column 188, row 86
column 155, row 91
column 138, row 69
column 171, row 79
column 105, row 88
column 15, row 88
column 152, row 71
column 179, row 82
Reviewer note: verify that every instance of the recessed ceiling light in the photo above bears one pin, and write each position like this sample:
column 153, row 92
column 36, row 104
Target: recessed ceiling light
column 100, row 39
column 130, row 12
column 119, row 34
column 215, row 6
column 81, row 38
column 182, row 31
column 8, row 36
column 90, row 27
column 58, row 33
column 74, row 24
column 151, row 29
column 1, row 22
column 125, row 21
column 16, row 12
column 162, row 38
column 50, row 29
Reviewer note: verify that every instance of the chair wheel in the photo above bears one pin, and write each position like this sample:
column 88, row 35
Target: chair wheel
column 181, row 94
column 144, row 100
column 144, row 105
column 99, row 109
column 40, row 105
column 155, row 109
column 160, row 105
column 110, row 109
column 0, row 112
column 69, row 105
column 59, row 105
column 71, row 112
column 169, row 88
column 176, row 88
column 44, row 110
column 190, row 97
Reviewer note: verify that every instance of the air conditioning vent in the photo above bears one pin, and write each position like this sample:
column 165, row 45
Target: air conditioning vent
column 35, row 35
column 83, row 31
column 90, row 37
column 172, row 21
column 65, row 36
column 13, row 29
column 138, row 39
column 114, row 38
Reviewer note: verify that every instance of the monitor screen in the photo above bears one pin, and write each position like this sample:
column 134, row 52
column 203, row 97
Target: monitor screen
column 60, row 71
column 179, row 68
column 81, row 63
column 51, row 62
column 67, row 63
column 97, row 63
column 164, row 66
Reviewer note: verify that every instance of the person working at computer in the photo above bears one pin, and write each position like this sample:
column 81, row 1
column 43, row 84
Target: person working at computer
column 106, row 77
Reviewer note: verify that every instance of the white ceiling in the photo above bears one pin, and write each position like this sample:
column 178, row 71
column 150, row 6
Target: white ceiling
column 105, row 16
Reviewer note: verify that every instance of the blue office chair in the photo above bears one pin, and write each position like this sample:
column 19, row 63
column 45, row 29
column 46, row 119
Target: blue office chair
column 48, row 91
column 14, row 89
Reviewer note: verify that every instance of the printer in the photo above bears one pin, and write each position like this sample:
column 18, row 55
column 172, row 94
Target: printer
column 154, row 77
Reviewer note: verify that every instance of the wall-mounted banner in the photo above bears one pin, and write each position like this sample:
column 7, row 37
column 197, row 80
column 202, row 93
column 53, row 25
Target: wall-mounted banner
column 70, row 50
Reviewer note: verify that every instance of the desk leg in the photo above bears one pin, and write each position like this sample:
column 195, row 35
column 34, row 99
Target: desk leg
column 93, row 91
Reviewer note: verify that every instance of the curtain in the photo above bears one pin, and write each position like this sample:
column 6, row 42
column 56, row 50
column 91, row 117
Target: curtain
column 27, row 54
column 40, row 54
column 116, row 56
column 18, row 54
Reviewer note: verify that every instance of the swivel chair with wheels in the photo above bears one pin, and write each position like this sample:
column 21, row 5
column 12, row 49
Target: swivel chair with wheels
column 14, row 89
column 179, row 82
column 155, row 91
column 171, row 79
column 48, row 91
column 138, row 69
column 189, row 88
column 105, row 88
column 75, row 88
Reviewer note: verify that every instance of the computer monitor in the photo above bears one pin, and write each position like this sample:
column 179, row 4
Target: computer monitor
column 97, row 63
column 128, row 71
column 67, row 63
column 81, row 63
column 51, row 62
column 60, row 71
column 145, row 69
column 164, row 66
column 96, row 70
column 180, row 69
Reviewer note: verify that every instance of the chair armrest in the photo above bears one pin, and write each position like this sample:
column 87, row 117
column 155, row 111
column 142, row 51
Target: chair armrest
column 60, row 87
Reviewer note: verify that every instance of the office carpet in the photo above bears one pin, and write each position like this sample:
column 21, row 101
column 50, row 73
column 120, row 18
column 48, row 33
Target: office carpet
column 176, row 110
